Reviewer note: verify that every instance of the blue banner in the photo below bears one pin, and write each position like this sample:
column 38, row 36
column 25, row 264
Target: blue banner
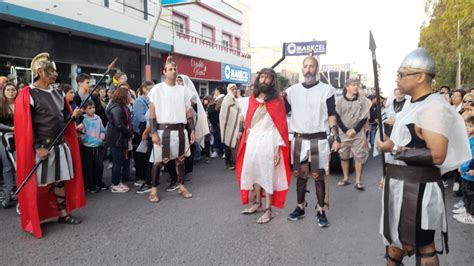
column 176, row 2
column 236, row 74
column 304, row 48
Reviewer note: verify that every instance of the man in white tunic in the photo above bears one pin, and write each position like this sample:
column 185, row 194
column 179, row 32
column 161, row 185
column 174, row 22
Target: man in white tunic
column 262, row 160
column 427, row 140
column 229, row 124
column 170, row 121
column 313, row 113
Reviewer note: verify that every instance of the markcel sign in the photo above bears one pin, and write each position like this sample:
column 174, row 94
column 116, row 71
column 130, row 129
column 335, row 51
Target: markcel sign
column 236, row 74
column 304, row 48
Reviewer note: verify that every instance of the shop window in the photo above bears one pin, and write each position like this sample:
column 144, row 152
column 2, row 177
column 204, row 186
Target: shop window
column 208, row 33
column 226, row 40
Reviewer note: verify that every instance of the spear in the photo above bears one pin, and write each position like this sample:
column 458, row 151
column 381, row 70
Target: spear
column 71, row 119
column 372, row 48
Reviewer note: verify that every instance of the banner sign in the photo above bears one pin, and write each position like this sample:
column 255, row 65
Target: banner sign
column 304, row 48
column 196, row 68
column 236, row 74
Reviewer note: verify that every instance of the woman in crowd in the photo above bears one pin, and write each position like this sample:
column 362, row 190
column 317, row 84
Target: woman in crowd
column 140, row 108
column 69, row 94
column 119, row 132
column 6, row 125
column 103, row 97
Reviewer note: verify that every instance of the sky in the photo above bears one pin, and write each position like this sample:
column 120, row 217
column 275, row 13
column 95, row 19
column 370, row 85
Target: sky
column 345, row 25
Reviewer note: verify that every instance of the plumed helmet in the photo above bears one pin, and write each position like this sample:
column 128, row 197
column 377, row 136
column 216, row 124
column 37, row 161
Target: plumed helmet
column 41, row 61
column 419, row 60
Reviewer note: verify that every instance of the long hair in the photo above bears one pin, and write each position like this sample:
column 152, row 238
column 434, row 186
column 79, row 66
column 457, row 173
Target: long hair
column 5, row 111
column 144, row 86
column 273, row 89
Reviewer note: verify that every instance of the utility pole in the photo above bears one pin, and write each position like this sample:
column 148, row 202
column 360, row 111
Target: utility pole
column 148, row 41
column 458, row 72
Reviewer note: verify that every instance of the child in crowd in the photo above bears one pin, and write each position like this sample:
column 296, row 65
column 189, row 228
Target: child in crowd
column 93, row 149
column 465, row 214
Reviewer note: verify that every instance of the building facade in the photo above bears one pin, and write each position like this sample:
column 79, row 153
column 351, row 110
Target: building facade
column 85, row 36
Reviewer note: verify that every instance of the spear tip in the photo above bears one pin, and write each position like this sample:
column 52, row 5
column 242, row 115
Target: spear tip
column 372, row 45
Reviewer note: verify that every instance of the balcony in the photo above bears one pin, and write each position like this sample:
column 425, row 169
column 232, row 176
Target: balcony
column 197, row 47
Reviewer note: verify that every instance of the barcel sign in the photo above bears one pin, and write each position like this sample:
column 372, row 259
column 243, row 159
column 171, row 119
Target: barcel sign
column 236, row 74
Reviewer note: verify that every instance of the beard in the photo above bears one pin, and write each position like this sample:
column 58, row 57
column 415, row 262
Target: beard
column 310, row 78
column 265, row 88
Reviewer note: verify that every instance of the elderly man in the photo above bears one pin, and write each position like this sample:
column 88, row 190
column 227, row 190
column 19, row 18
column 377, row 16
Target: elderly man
column 229, row 124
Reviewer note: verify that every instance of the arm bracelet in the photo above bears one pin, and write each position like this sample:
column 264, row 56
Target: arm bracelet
column 153, row 125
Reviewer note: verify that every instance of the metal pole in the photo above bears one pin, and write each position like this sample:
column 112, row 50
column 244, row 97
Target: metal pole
column 147, row 44
column 458, row 72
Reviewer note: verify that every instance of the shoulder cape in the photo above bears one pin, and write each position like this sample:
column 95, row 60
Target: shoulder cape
column 37, row 203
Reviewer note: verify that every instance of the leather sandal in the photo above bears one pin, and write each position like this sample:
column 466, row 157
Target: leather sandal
column 262, row 220
column 153, row 197
column 183, row 191
column 249, row 211
column 69, row 219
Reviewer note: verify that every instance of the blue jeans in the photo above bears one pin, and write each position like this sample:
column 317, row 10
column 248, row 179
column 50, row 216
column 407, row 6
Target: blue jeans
column 121, row 166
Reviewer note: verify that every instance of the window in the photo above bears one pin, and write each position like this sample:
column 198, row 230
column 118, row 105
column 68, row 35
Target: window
column 208, row 33
column 203, row 88
column 179, row 23
column 226, row 40
column 237, row 43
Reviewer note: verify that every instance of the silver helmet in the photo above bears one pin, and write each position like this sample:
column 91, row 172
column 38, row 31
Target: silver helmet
column 419, row 60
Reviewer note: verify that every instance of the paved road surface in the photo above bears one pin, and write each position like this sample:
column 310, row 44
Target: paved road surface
column 209, row 229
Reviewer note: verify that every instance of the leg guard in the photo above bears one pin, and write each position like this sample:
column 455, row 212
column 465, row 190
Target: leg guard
column 155, row 174
column 60, row 194
column 180, row 170
column 301, row 189
column 320, row 190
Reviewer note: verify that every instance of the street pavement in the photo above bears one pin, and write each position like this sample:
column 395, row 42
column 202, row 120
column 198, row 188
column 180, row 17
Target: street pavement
column 124, row 229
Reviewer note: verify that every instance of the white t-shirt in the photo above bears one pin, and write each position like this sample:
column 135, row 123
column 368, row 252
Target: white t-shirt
column 309, row 112
column 171, row 103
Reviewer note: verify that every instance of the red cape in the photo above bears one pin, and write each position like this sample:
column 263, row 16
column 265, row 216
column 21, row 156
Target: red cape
column 276, row 110
column 37, row 203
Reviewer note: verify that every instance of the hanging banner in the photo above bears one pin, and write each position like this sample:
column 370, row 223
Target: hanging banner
column 304, row 48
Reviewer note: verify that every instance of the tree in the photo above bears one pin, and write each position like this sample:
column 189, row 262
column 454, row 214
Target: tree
column 440, row 38
column 283, row 82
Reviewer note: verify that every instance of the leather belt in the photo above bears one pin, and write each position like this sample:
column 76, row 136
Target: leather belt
column 314, row 141
column 171, row 126
column 166, row 139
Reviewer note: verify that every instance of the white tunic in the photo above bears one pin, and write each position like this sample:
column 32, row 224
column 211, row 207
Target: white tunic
column 309, row 114
column 171, row 104
column 435, row 115
column 258, row 166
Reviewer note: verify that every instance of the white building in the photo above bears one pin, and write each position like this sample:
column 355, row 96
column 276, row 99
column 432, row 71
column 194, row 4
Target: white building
column 84, row 36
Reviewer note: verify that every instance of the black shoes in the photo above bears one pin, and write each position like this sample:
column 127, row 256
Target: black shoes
column 322, row 219
column 297, row 214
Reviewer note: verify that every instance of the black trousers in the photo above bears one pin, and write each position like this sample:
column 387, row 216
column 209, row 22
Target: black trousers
column 92, row 165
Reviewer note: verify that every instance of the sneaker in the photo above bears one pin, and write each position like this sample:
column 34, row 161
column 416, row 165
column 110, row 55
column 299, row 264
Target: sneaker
column 468, row 219
column 459, row 215
column 460, row 210
column 172, row 187
column 118, row 189
column 455, row 186
column 214, row 155
column 322, row 219
column 297, row 214
column 223, row 156
column 445, row 183
column 231, row 167
column 124, row 186
column 458, row 205
column 139, row 183
column 103, row 187
column 143, row 189
column 94, row 190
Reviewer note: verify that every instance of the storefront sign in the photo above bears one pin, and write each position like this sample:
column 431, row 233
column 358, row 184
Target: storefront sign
column 197, row 68
column 236, row 74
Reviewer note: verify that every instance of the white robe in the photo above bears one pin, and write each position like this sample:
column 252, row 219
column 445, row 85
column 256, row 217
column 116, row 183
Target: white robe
column 435, row 115
column 309, row 114
column 171, row 104
column 258, row 166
